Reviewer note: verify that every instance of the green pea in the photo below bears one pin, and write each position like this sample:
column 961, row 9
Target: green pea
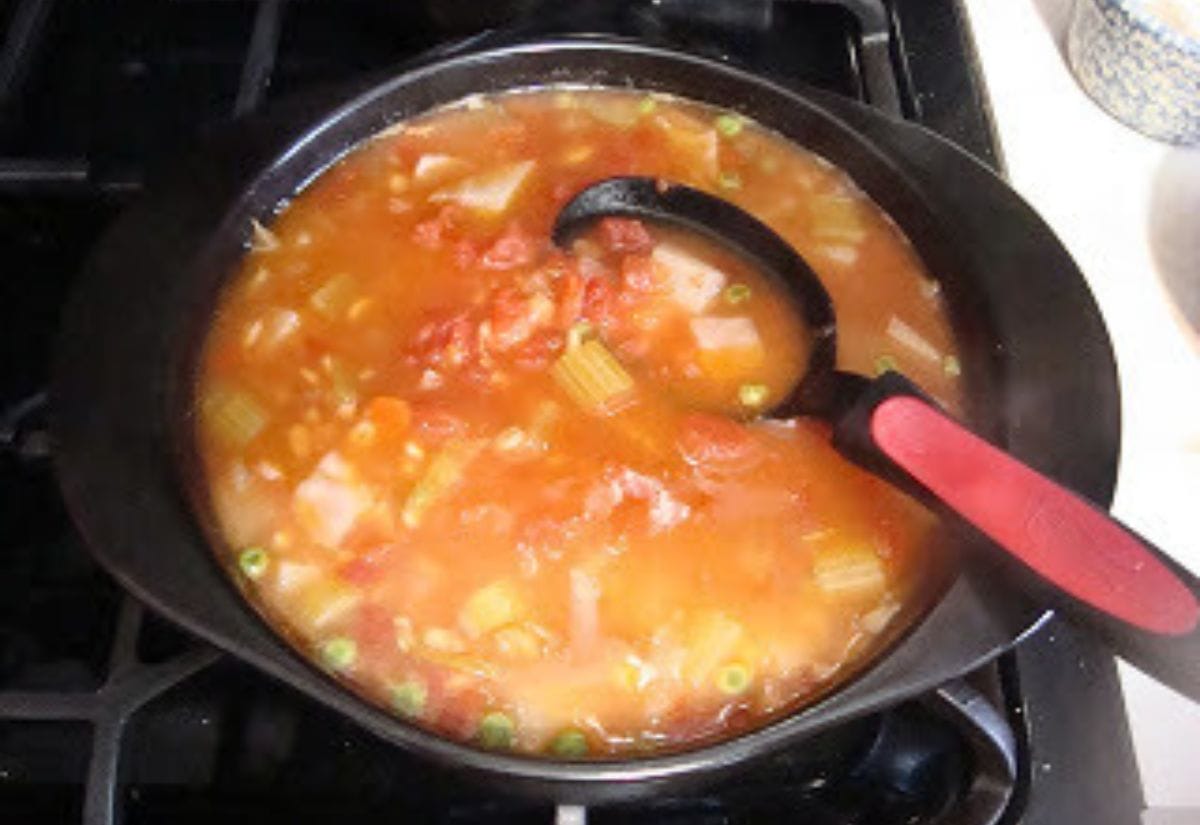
column 733, row 679
column 951, row 366
column 253, row 562
column 496, row 731
column 737, row 294
column 753, row 395
column 885, row 363
column 647, row 105
column 339, row 653
column 569, row 744
column 729, row 125
column 729, row 180
column 409, row 698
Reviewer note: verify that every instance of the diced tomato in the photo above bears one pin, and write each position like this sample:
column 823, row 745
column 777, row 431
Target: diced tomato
column 512, row 249
column 477, row 376
column 375, row 630
column 539, row 351
column 640, row 275
column 341, row 182
column 465, row 254
column 710, row 441
column 516, row 317
column 447, row 341
column 368, row 566
column 563, row 191
column 508, row 307
column 543, row 532
column 509, row 137
column 435, row 232
column 460, row 342
column 463, row 704
column 437, row 423
column 570, row 298
column 428, row 233
column 624, row 235
column 598, row 301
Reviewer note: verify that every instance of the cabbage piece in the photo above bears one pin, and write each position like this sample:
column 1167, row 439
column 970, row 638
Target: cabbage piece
column 738, row 332
column 691, row 283
column 491, row 192
column 330, row 501
column 432, row 167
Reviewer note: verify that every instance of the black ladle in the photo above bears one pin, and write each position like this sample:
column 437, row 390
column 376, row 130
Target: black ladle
column 1144, row 602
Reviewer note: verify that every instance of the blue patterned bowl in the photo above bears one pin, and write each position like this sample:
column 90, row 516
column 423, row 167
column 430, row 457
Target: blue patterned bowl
column 1141, row 70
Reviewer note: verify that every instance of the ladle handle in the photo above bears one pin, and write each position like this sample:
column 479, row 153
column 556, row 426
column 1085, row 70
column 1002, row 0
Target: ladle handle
column 1143, row 602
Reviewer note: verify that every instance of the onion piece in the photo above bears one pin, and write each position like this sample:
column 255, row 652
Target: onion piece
column 902, row 333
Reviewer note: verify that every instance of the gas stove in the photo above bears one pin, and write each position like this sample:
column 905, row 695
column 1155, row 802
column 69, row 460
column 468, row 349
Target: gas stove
column 109, row 714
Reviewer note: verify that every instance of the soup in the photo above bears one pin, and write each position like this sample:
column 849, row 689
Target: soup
column 522, row 496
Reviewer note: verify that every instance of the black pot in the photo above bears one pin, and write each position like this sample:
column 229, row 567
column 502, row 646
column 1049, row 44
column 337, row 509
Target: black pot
column 1041, row 380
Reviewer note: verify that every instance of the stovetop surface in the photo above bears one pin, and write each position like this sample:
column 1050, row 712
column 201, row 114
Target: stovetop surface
column 108, row 714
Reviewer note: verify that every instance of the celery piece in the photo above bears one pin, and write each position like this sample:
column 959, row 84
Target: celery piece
column 233, row 416
column 849, row 571
column 592, row 377
column 443, row 473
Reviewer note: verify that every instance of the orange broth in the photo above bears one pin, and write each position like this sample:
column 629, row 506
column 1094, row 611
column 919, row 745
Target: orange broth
column 518, row 495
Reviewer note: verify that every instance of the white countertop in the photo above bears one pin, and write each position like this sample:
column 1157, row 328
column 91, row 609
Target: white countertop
column 1128, row 209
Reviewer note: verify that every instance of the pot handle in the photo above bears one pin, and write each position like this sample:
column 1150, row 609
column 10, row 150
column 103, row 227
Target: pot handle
column 1143, row 602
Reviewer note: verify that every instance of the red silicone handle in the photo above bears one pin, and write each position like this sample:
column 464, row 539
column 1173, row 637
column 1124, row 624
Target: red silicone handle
column 1077, row 547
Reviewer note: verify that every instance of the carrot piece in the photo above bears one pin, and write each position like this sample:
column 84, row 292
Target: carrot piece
column 391, row 416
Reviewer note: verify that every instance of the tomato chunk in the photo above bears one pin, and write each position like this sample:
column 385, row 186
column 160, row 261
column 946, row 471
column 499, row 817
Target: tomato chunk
column 640, row 275
column 624, row 235
column 715, row 442
column 512, row 249
column 597, row 300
